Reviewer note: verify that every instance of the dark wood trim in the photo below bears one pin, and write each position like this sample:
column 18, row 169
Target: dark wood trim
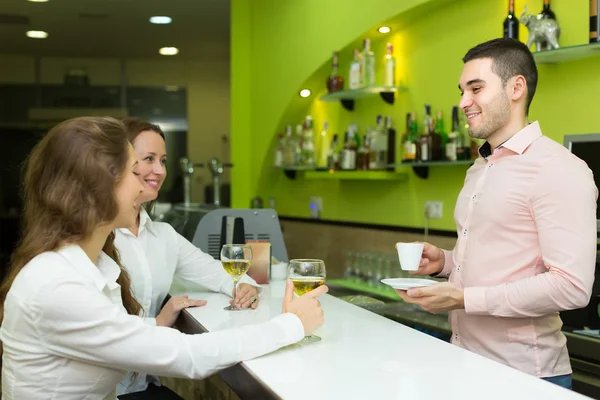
column 351, row 224
column 239, row 378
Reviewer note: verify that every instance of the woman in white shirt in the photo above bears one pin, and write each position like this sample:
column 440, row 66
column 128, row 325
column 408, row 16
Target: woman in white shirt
column 153, row 253
column 70, row 326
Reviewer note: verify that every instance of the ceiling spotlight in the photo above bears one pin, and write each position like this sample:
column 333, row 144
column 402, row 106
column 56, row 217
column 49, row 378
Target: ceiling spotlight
column 384, row 29
column 304, row 93
column 38, row 1
column 161, row 20
column 37, row 34
column 168, row 51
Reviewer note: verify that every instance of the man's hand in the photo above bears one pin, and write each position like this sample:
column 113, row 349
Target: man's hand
column 437, row 298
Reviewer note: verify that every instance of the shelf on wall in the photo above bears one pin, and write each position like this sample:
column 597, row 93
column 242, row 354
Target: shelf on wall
column 421, row 168
column 347, row 97
column 565, row 54
column 357, row 175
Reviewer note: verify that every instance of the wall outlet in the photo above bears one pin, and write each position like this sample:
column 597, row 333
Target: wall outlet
column 316, row 207
column 433, row 209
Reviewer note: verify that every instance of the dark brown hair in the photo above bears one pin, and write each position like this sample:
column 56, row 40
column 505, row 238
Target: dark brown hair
column 66, row 180
column 509, row 58
column 135, row 126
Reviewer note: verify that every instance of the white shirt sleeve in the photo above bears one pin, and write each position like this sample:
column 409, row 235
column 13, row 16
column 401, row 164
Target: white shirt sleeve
column 76, row 321
column 199, row 268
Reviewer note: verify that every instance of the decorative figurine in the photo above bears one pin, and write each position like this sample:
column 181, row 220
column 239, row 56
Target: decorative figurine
column 541, row 31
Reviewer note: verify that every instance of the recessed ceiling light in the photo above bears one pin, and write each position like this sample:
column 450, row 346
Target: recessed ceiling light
column 38, row 1
column 384, row 29
column 37, row 34
column 161, row 20
column 168, row 51
column 304, row 93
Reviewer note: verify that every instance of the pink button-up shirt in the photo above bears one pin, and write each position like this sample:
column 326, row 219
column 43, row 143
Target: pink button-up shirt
column 526, row 249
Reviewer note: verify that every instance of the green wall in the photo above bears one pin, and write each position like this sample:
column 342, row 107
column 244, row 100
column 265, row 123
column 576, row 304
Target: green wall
column 279, row 47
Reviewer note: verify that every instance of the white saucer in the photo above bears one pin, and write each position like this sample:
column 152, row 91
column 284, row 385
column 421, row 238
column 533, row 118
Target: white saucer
column 407, row 283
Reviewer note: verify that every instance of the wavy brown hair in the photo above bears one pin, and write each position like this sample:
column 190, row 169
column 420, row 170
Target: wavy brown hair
column 135, row 126
column 66, row 180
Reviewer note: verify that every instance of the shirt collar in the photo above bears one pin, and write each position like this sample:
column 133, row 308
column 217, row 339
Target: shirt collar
column 518, row 143
column 104, row 272
column 145, row 223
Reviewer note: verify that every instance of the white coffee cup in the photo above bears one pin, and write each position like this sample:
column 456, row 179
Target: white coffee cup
column 409, row 255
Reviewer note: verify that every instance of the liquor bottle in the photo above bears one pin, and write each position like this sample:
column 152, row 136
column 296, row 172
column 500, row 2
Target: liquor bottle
column 389, row 63
column 391, row 140
column 379, row 146
column 547, row 13
column 323, row 147
column 291, row 148
column 425, row 139
column 279, row 152
column 333, row 157
column 439, row 138
column 367, row 64
column 511, row 23
column 354, row 74
column 411, row 150
column 348, row 158
column 456, row 151
column 308, row 143
column 594, row 21
column 335, row 82
column 362, row 155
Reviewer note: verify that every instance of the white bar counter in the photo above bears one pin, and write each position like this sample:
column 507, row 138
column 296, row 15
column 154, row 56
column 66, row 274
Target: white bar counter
column 362, row 356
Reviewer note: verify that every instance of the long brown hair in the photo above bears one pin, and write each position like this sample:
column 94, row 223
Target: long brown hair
column 135, row 126
column 66, row 181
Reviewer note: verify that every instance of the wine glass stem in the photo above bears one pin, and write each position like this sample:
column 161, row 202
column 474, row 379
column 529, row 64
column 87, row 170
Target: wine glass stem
column 235, row 282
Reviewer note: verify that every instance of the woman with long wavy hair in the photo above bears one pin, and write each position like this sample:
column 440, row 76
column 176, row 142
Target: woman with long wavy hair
column 70, row 328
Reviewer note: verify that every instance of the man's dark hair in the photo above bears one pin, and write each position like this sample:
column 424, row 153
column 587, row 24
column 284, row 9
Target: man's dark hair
column 509, row 58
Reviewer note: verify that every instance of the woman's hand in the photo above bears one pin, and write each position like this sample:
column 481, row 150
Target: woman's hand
column 169, row 313
column 246, row 296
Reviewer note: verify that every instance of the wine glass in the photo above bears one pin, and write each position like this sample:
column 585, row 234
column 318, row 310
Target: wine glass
column 236, row 259
column 306, row 276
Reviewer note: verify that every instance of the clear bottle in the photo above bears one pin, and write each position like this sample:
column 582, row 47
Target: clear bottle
column 355, row 74
column 324, row 146
column 368, row 64
column 279, row 152
column 333, row 157
column 348, row 156
column 291, row 148
column 379, row 146
column 389, row 63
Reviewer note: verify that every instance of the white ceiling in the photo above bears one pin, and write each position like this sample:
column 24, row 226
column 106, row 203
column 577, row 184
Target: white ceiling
column 116, row 28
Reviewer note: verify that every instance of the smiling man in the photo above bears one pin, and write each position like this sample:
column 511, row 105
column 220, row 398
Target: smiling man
column 526, row 224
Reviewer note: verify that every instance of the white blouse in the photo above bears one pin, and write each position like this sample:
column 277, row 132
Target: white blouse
column 66, row 334
column 153, row 258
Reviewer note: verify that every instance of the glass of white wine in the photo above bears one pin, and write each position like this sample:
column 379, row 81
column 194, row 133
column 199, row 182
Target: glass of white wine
column 306, row 276
column 236, row 259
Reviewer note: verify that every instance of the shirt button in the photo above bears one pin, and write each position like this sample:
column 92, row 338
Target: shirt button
column 474, row 197
column 458, row 268
column 456, row 336
column 465, row 232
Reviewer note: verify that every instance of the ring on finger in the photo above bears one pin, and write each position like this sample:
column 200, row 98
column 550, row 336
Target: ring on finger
column 184, row 303
column 253, row 300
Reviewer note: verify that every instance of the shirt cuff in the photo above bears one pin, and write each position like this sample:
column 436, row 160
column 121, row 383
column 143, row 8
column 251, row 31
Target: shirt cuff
column 150, row 321
column 292, row 327
column 448, row 265
column 475, row 300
